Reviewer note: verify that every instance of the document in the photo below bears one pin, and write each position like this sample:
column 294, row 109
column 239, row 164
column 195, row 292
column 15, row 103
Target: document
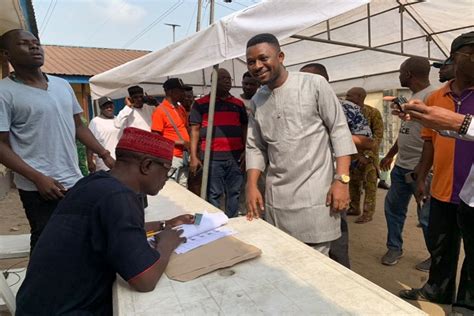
column 204, row 238
column 209, row 229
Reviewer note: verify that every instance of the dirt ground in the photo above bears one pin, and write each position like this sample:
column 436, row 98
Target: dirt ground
column 367, row 246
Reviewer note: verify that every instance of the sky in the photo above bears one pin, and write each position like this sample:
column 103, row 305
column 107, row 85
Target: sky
column 130, row 24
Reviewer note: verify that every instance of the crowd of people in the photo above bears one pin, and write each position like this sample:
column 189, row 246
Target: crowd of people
column 286, row 149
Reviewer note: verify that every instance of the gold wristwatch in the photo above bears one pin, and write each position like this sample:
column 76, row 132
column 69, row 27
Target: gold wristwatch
column 344, row 178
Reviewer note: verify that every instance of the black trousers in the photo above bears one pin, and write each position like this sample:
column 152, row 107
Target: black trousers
column 38, row 211
column 339, row 251
column 447, row 224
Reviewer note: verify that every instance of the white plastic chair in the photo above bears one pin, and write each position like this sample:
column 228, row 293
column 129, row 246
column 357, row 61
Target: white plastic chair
column 7, row 294
column 12, row 246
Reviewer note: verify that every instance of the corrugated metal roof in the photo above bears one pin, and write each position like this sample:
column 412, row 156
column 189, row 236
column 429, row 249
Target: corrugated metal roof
column 85, row 61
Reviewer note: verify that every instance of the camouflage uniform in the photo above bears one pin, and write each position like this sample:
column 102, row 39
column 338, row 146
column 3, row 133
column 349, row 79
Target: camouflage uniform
column 365, row 176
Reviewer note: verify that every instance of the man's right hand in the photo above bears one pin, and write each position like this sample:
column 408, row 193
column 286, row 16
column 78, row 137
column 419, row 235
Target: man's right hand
column 420, row 190
column 386, row 163
column 91, row 166
column 194, row 165
column 129, row 102
column 255, row 206
column 49, row 188
column 168, row 240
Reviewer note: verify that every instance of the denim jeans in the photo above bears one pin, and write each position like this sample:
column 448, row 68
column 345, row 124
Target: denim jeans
column 226, row 177
column 396, row 206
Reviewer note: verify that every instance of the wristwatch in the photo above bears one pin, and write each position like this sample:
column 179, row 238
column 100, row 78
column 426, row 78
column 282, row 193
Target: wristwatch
column 344, row 178
column 162, row 225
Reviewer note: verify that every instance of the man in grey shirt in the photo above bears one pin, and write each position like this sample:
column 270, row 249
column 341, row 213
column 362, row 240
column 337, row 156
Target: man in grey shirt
column 39, row 122
column 414, row 74
column 297, row 126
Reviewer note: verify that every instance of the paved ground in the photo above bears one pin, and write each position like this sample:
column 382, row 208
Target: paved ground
column 367, row 245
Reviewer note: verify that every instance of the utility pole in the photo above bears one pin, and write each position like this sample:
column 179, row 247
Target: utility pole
column 211, row 11
column 174, row 29
column 198, row 18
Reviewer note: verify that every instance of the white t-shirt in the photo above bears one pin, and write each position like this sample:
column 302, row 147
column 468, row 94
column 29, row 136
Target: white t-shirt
column 107, row 135
column 410, row 143
column 135, row 117
column 41, row 128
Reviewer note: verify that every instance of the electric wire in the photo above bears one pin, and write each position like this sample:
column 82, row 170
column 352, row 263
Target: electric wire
column 49, row 17
column 153, row 24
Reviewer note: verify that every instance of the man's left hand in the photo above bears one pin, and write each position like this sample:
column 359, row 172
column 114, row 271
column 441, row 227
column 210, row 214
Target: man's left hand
column 338, row 197
column 180, row 220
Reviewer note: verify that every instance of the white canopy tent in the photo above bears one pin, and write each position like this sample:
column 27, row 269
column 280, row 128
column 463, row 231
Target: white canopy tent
column 361, row 42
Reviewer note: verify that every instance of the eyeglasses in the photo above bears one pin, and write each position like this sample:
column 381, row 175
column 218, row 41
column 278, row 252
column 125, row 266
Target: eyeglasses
column 167, row 166
column 470, row 55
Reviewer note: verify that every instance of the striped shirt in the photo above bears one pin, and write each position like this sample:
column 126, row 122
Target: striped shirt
column 453, row 158
column 230, row 120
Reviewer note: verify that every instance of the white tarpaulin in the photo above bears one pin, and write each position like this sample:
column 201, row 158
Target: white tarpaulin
column 361, row 42
column 223, row 40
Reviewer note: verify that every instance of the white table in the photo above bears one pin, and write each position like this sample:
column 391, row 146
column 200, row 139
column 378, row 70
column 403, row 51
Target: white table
column 289, row 278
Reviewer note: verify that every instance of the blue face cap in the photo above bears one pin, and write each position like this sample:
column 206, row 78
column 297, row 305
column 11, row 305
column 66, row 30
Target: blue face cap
column 438, row 64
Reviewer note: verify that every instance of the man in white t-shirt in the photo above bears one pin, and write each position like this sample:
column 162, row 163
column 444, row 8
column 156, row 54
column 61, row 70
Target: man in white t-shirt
column 137, row 114
column 414, row 74
column 103, row 128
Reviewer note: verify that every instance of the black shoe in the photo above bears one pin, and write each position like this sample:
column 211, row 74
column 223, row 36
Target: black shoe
column 424, row 265
column 391, row 257
column 413, row 294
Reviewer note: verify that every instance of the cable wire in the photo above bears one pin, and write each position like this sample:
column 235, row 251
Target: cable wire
column 155, row 22
column 49, row 18
column 46, row 15
column 192, row 17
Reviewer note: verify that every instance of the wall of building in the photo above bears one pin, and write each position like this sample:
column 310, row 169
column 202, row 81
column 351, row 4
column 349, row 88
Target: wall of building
column 83, row 95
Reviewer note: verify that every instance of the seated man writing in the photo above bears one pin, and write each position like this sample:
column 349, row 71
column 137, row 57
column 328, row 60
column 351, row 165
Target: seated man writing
column 98, row 230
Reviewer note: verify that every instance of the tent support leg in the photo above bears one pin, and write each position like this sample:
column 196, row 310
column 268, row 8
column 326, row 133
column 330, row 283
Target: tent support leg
column 210, row 125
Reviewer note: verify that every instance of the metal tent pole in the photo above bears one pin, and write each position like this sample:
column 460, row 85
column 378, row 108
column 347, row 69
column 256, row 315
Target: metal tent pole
column 210, row 118
column 210, row 125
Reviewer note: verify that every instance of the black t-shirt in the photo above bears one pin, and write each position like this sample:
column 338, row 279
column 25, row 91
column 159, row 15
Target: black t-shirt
column 96, row 231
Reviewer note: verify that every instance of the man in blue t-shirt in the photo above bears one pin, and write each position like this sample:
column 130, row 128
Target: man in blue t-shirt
column 98, row 230
column 40, row 119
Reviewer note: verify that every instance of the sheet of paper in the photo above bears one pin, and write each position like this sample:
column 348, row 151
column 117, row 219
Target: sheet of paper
column 204, row 238
column 209, row 221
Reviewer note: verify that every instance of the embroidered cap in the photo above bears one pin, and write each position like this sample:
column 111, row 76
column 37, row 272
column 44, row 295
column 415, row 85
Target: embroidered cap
column 140, row 141
column 135, row 90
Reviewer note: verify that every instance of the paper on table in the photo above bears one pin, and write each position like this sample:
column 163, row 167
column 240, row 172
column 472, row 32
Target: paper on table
column 204, row 238
column 197, row 235
column 209, row 221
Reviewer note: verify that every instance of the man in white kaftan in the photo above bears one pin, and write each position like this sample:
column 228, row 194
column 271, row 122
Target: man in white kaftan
column 297, row 129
